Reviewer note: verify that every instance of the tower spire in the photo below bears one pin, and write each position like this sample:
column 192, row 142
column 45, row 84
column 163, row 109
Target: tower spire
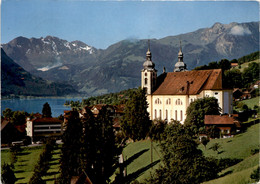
column 180, row 65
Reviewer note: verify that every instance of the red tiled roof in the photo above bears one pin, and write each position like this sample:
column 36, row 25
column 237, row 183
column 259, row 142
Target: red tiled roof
column 219, row 120
column 4, row 122
column 176, row 83
column 47, row 120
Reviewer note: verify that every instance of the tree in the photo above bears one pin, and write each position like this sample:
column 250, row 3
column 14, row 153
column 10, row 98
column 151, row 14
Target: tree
column 204, row 141
column 19, row 118
column 251, row 73
column 46, row 110
column 213, row 132
column 233, row 79
column 157, row 129
column 183, row 162
column 71, row 148
column 216, row 147
column 199, row 108
column 136, row 122
column 7, row 174
column 255, row 175
column 98, row 146
column 224, row 64
column 8, row 113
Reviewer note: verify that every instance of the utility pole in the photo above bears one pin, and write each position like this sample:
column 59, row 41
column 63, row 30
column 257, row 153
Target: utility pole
column 151, row 151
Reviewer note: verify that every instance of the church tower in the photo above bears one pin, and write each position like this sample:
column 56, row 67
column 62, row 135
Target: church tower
column 148, row 73
column 180, row 66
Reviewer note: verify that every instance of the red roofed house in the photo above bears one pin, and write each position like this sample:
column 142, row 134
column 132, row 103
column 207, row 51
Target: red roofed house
column 170, row 94
column 226, row 123
column 41, row 128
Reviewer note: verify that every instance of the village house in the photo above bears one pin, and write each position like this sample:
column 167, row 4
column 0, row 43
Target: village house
column 42, row 128
column 227, row 124
column 169, row 94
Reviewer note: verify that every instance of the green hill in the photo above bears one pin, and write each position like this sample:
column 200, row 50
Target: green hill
column 239, row 147
column 245, row 65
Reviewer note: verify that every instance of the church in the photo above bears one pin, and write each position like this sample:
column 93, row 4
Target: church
column 169, row 94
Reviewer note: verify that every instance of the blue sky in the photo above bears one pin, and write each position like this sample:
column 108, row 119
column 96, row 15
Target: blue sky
column 102, row 23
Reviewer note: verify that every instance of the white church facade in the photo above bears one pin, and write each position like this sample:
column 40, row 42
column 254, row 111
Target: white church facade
column 170, row 94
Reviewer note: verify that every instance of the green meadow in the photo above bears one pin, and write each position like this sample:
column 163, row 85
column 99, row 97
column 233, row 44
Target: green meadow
column 26, row 161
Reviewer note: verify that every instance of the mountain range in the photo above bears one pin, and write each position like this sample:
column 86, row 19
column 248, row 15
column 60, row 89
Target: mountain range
column 15, row 81
column 95, row 71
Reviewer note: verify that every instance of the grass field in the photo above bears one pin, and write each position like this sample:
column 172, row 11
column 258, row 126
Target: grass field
column 239, row 173
column 26, row 161
column 252, row 102
column 139, row 157
column 237, row 147
column 245, row 65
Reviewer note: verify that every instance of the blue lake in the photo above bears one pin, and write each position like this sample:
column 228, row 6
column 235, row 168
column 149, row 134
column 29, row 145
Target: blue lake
column 35, row 105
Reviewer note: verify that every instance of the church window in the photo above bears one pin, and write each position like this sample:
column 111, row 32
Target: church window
column 160, row 116
column 176, row 115
column 155, row 114
column 178, row 102
column 166, row 115
column 158, row 101
column 145, row 81
column 145, row 74
column 168, row 101
column 181, row 115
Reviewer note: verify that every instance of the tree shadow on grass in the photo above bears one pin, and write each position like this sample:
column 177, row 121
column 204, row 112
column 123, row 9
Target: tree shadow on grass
column 20, row 178
column 135, row 156
column 221, row 152
column 53, row 159
column 139, row 172
column 22, row 160
column 130, row 159
column 54, row 163
column 226, row 173
column 23, row 153
column 50, row 179
column 19, row 171
column 22, row 165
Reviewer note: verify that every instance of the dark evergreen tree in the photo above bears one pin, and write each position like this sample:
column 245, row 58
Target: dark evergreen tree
column 251, row 73
column 183, row 162
column 136, row 122
column 233, row 79
column 98, row 146
column 198, row 109
column 46, row 110
column 70, row 152
column 7, row 174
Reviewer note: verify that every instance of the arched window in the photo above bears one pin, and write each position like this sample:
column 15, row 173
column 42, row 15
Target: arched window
column 168, row 101
column 166, row 115
column 160, row 114
column 155, row 114
column 145, row 74
column 158, row 101
column 145, row 81
column 181, row 115
column 176, row 118
column 178, row 102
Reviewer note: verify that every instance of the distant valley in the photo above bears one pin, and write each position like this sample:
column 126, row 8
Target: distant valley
column 95, row 71
column 15, row 81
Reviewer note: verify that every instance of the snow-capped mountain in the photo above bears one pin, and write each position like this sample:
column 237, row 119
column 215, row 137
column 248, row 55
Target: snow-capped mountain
column 94, row 71
column 47, row 53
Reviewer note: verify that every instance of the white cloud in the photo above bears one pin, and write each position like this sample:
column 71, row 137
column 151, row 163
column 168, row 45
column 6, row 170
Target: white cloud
column 239, row 30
